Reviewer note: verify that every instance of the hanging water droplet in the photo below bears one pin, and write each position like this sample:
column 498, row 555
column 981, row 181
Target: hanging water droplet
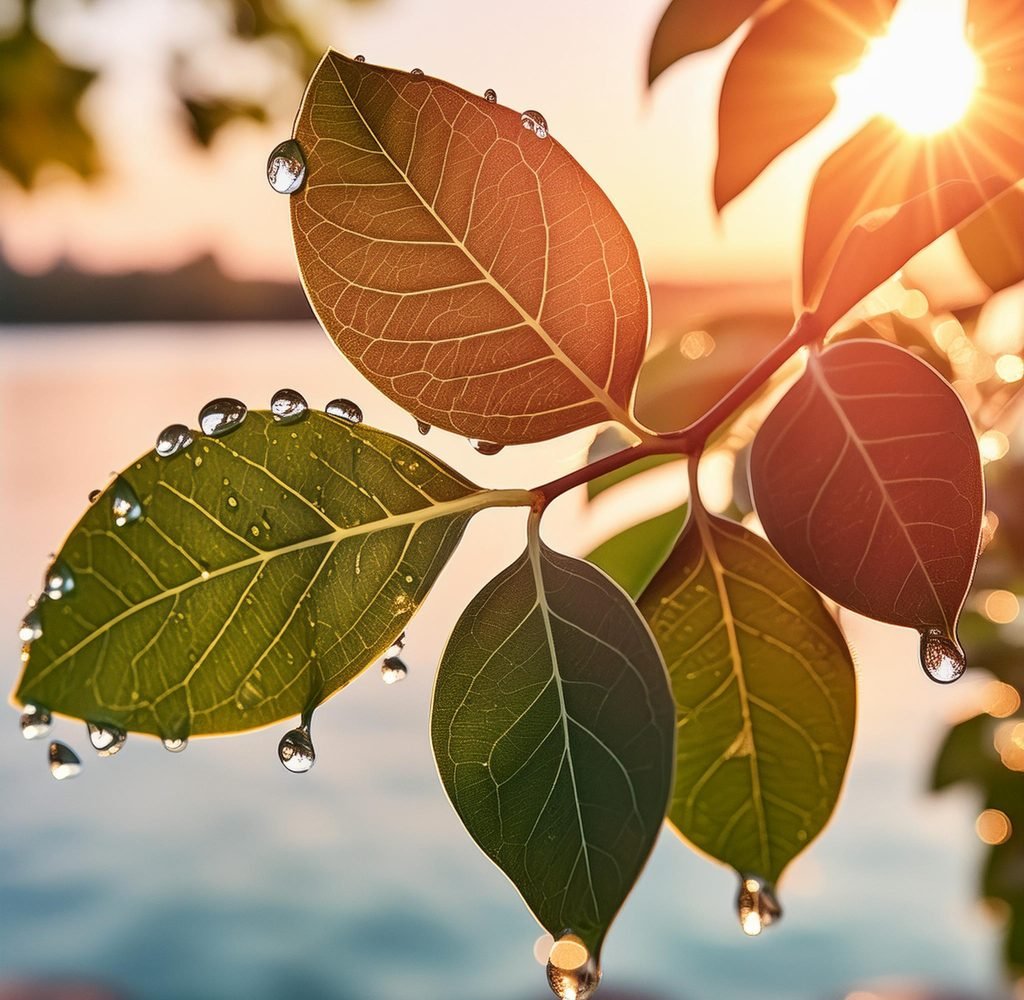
column 423, row 428
column 64, row 762
column 573, row 974
column 105, row 740
column 416, row 71
column 94, row 495
column 485, row 447
column 124, row 503
column 344, row 409
column 172, row 439
column 296, row 750
column 535, row 122
column 942, row 658
column 286, row 167
column 393, row 670
column 31, row 626
column 35, row 722
column 59, row 580
column 360, row 58
column 221, row 416
column 396, row 648
column 287, row 406
column 756, row 905
column 175, row 745
column 491, row 95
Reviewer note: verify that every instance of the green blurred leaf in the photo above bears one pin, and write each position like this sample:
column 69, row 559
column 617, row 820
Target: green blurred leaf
column 765, row 693
column 966, row 754
column 268, row 568
column 632, row 557
column 209, row 116
column 993, row 241
column 553, row 730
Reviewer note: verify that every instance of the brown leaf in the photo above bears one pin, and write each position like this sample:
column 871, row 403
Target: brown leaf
column 867, row 480
column 779, row 83
column 993, row 241
column 467, row 267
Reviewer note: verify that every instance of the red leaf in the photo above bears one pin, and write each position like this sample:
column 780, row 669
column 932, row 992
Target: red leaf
column 993, row 241
column 469, row 268
column 867, row 480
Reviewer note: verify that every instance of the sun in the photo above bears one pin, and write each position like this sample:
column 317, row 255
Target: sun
column 922, row 74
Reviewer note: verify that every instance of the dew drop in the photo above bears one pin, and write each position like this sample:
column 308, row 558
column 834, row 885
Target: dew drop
column 286, row 167
column 64, row 762
column 393, row 670
column 94, row 495
column 573, row 973
column 344, row 409
column 942, row 658
column 416, row 71
column 124, row 504
column 396, row 648
column 491, row 96
column 485, row 447
column 423, row 427
column 287, row 406
column 360, row 58
column 296, row 750
column 756, row 905
column 221, row 416
column 35, row 722
column 59, row 580
column 172, row 439
column 31, row 626
column 105, row 740
column 175, row 745
column 535, row 122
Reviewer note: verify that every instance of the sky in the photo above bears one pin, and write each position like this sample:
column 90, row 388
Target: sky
column 581, row 62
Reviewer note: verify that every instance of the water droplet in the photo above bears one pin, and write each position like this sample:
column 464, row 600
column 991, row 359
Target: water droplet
column 942, row 658
column 35, row 722
column 124, row 503
column 416, row 71
column 172, row 439
column 221, row 416
column 396, row 648
column 94, row 495
column 64, row 762
column 175, row 745
column 756, row 905
column 485, row 447
column 573, row 974
column 31, row 626
column 286, row 167
column 423, row 427
column 491, row 96
column 360, row 58
column 295, row 750
column 535, row 122
column 393, row 670
column 344, row 409
column 105, row 740
column 287, row 406
column 59, row 580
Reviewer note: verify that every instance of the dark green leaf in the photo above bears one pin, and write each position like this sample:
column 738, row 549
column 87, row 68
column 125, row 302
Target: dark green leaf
column 553, row 729
column 967, row 754
column 267, row 569
column 765, row 693
column 632, row 557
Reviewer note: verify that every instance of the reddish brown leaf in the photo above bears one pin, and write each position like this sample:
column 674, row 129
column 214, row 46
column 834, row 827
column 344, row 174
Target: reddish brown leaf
column 867, row 480
column 467, row 267
column 993, row 241
column 689, row 26
column 779, row 83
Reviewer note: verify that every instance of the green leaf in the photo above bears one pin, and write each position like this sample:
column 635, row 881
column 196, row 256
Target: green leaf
column 765, row 693
column 267, row 569
column 553, row 730
column 467, row 266
column 632, row 557
column 993, row 241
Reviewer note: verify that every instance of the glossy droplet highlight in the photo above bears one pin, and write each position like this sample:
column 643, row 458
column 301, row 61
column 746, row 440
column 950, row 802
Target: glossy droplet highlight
column 59, row 580
column 393, row 670
column 416, row 71
column 360, row 58
column 423, row 427
column 31, row 626
column 485, row 447
column 756, row 905
column 573, row 974
column 221, row 416
column 35, row 722
column 94, row 495
column 64, row 762
column 105, row 740
column 124, row 504
column 943, row 660
column 288, row 406
column 296, row 750
column 491, row 96
column 286, row 167
column 344, row 409
column 175, row 745
column 172, row 439
column 535, row 122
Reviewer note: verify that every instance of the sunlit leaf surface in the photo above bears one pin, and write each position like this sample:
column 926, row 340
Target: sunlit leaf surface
column 632, row 557
column 553, row 730
column 765, row 695
column 267, row 569
column 468, row 267
column 994, row 241
column 867, row 480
